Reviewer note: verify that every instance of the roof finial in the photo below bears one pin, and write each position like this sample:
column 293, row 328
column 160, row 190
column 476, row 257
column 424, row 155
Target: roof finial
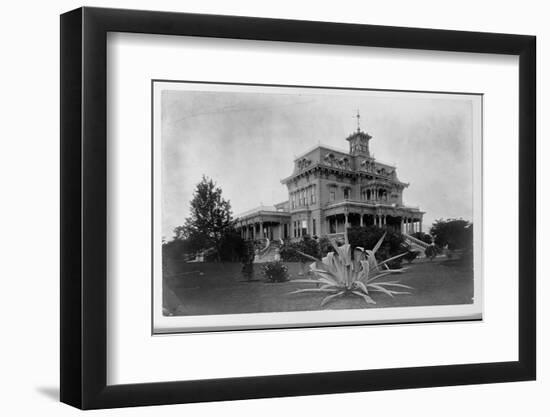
column 358, row 116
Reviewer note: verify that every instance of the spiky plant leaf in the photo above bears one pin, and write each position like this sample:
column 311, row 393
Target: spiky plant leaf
column 361, row 286
column 395, row 284
column 379, row 243
column 363, row 274
column 331, row 297
column 365, row 297
column 312, row 290
column 313, row 258
column 375, row 287
column 383, row 274
column 393, row 258
column 305, row 281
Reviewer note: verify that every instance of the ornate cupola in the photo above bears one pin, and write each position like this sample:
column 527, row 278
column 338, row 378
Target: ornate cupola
column 359, row 141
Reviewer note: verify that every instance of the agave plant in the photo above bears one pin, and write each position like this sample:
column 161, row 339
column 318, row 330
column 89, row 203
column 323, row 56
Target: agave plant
column 339, row 273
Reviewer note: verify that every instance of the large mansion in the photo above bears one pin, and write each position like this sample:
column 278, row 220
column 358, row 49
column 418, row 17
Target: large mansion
column 330, row 190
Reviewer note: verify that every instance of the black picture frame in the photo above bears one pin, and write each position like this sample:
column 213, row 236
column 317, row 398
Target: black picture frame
column 84, row 207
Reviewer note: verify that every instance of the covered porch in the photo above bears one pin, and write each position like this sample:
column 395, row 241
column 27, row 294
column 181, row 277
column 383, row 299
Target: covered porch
column 398, row 219
column 264, row 224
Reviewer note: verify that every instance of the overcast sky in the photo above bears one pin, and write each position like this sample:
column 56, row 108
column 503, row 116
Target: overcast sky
column 246, row 143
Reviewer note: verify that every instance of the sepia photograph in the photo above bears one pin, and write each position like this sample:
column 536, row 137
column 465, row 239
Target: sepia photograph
column 291, row 206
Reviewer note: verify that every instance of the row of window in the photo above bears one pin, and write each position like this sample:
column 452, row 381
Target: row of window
column 307, row 196
column 303, row 197
column 332, row 194
column 300, row 228
column 374, row 194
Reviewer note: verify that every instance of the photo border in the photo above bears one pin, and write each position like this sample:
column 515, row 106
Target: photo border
column 83, row 310
column 240, row 328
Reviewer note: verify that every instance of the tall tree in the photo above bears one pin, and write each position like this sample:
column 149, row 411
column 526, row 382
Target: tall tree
column 453, row 233
column 210, row 218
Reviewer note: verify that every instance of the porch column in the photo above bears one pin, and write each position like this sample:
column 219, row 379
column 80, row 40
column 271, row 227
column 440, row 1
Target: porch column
column 384, row 220
column 401, row 224
column 346, row 223
column 420, row 225
column 361, row 219
column 262, row 230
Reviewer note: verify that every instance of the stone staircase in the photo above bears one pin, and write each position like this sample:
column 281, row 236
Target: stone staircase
column 269, row 253
column 416, row 244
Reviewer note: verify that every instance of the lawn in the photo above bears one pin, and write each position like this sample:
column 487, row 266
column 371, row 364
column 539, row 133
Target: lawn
column 219, row 288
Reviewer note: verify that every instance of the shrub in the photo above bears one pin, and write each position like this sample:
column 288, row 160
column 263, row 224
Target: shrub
column 275, row 271
column 325, row 246
column 175, row 249
column 367, row 237
column 290, row 251
column 232, row 246
column 352, row 272
column 411, row 255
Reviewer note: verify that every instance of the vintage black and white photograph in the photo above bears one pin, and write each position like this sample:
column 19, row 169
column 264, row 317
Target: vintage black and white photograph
column 283, row 206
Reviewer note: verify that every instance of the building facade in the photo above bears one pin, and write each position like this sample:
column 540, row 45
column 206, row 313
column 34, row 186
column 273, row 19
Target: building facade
column 330, row 190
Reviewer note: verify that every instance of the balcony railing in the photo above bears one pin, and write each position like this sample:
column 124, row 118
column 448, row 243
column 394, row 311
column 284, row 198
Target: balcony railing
column 371, row 203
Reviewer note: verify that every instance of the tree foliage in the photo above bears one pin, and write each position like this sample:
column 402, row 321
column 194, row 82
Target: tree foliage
column 453, row 233
column 210, row 224
column 232, row 247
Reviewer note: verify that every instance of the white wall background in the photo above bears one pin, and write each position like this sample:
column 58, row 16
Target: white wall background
column 29, row 173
